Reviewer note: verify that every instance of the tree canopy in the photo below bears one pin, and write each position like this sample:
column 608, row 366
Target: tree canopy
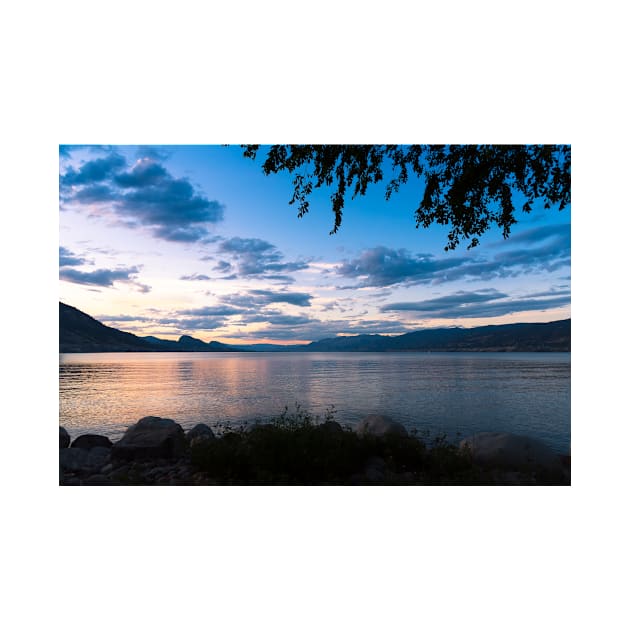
column 467, row 187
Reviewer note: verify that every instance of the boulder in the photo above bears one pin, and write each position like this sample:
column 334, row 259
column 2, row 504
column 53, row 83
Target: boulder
column 98, row 456
column 64, row 438
column 507, row 451
column 73, row 459
column 150, row 438
column 83, row 460
column 380, row 426
column 89, row 440
column 200, row 439
column 200, row 430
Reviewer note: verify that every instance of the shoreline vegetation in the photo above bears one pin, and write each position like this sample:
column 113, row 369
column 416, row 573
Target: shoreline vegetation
column 299, row 449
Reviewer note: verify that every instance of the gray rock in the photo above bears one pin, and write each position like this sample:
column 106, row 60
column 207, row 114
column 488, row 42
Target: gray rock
column 507, row 451
column 201, row 439
column 200, row 430
column 73, row 459
column 90, row 440
column 64, row 438
column 83, row 460
column 97, row 480
column 150, row 438
column 380, row 426
column 98, row 457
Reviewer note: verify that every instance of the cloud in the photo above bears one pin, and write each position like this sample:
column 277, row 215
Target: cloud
column 123, row 318
column 292, row 328
column 69, row 259
column 195, row 276
column 220, row 310
column 144, row 196
column 103, row 277
column 259, row 298
column 223, row 266
column 547, row 248
column 93, row 171
column 382, row 266
column 479, row 304
column 259, row 258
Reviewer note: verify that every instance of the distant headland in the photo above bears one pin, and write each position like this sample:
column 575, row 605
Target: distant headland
column 78, row 332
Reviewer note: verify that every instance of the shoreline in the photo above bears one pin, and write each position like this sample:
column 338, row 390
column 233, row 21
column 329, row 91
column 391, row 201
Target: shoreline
column 297, row 450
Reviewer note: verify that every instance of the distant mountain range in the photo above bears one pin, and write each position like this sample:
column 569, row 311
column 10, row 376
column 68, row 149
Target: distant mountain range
column 79, row 332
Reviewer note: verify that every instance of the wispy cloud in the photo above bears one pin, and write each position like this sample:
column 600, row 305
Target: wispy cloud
column 70, row 259
column 480, row 304
column 195, row 276
column 544, row 248
column 104, row 277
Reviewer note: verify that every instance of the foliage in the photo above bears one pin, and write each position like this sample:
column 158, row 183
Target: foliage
column 298, row 448
column 467, row 187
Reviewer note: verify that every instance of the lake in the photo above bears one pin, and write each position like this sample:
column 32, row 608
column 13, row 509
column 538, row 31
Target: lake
column 451, row 393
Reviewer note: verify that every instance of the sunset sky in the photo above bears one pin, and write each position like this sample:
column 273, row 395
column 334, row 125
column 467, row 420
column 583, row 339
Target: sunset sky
column 196, row 240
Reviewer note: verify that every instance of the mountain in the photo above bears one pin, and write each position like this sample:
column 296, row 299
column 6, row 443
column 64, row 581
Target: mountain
column 548, row 337
column 79, row 332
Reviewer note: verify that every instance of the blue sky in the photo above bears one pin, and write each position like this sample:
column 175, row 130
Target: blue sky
column 196, row 240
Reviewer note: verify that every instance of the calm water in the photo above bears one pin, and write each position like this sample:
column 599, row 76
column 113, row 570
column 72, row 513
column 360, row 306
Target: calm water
column 525, row 393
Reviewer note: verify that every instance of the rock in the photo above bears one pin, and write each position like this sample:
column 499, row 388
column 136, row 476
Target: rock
column 89, row 440
column 200, row 439
column 64, row 438
column 151, row 437
column 330, row 427
column 73, row 459
column 98, row 456
column 507, row 451
column 200, row 430
column 380, row 426
column 83, row 460
column 97, row 480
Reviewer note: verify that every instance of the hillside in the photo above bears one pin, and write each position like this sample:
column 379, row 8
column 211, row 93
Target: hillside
column 548, row 337
column 78, row 332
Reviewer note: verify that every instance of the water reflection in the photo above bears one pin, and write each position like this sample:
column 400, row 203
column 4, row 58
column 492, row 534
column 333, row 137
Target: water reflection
column 523, row 393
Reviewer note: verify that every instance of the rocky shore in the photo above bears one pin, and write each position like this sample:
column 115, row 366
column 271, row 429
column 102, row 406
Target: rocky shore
column 157, row 451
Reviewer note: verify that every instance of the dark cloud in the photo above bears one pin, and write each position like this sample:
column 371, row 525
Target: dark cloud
column 275, row 318
column 478, row 304
column 195, row 276
column 93, row 171
column 260, row 298
column 544, row 248
column 223, row 266
column 69, row 259
column 382, row 267
column 144, row 195
column 103, row 277
column 258, row 258
column 293, row 328
column 220, row 310
column 123, row 318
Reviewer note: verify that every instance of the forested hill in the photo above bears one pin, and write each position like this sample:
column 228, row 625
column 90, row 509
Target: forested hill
column 78, row 332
